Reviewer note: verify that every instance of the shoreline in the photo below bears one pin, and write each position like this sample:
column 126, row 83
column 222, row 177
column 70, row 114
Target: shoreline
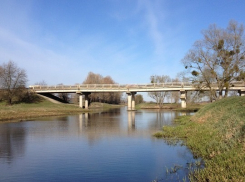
column 24, row 111
column 27, row 111
column 192, row 107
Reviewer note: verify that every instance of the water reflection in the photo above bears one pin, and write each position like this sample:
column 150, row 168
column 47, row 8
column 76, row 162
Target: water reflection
column 131, row 120
column 12, row 142
column 111, row 145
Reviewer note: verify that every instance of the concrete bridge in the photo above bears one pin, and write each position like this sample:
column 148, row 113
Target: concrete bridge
column 131, row 90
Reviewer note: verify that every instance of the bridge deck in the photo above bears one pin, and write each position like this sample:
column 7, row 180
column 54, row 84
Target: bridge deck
column 153, row 87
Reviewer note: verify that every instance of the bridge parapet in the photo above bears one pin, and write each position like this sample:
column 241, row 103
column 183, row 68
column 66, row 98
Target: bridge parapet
column 149, row 87
column 110, row 86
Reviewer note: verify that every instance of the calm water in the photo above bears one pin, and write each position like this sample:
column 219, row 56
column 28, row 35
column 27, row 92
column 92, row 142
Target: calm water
column 109, row 146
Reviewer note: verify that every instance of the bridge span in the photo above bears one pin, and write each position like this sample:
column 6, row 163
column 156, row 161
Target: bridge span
column 131, row 90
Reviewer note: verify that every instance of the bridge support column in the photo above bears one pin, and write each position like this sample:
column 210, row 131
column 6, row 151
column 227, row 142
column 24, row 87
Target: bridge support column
column 81, row 101
column 183, row 98
column 86, row 99
column 133, row 100
column 129, row 101
column 241, row 92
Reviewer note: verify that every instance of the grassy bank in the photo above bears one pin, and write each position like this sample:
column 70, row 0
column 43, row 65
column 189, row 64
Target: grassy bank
column 174, row 106
column 217, row 134
column 44, row 108
column 24, row 111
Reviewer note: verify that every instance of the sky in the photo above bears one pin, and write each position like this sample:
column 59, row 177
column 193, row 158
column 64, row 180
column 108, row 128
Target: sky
column 61, row 41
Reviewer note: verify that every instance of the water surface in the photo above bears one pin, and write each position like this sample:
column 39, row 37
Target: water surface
column 113, row 145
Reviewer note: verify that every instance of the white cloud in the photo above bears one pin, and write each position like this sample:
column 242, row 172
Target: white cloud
column 153, row 21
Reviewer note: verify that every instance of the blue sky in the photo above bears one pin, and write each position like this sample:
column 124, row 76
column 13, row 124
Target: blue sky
column 60, row 41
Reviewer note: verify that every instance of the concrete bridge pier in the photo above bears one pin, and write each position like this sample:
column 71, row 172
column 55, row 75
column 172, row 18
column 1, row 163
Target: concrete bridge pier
column 86, row 98
column 241, row 92
column 80, row 100
column 131, row 101
column 183, row 94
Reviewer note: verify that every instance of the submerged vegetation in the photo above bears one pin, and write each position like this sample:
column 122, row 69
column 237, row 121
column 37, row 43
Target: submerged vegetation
column 216, row 133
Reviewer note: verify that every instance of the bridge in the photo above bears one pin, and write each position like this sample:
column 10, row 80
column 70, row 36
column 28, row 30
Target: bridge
column 131, row 90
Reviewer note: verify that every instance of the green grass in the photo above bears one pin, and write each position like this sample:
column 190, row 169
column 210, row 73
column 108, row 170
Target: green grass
column 217, row 134
column 23, row 111
column 43, row 108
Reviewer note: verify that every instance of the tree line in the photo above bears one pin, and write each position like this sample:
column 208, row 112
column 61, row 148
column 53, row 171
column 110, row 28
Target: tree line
column 109, row 97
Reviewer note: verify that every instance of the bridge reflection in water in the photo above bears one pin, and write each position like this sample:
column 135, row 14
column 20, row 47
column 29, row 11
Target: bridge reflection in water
column 84, row 120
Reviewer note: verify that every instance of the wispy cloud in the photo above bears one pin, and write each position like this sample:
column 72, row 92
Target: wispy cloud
column 153, row 20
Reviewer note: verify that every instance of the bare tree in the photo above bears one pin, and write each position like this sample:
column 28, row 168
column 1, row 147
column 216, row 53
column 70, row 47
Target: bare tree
column 159, row 96
column 64, row 96
column 12, row 80
column 109, row 97
column 41, row 83
column 174, row 96
column 217, row 59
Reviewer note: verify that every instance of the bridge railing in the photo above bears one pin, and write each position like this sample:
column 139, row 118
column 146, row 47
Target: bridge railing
column 109, row 86
column 127, row 86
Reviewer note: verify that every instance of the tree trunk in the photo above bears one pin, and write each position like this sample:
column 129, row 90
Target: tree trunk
column 226, row 91
column 220, row 94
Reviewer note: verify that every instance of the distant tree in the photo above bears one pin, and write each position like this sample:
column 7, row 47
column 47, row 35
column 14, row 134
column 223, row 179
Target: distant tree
column 42, row 83
column 139, row 99
column 12, row 80
column 217, row 59
column 159, row 96
column 174, row 96
column 108, row 97
column 64, row 96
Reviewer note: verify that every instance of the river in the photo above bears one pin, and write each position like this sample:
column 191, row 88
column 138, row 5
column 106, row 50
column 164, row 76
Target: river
column 113, row 145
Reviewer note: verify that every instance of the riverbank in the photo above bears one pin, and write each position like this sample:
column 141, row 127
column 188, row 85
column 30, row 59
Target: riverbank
column 25, row 111
column 216, row 134
column 174, row 106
